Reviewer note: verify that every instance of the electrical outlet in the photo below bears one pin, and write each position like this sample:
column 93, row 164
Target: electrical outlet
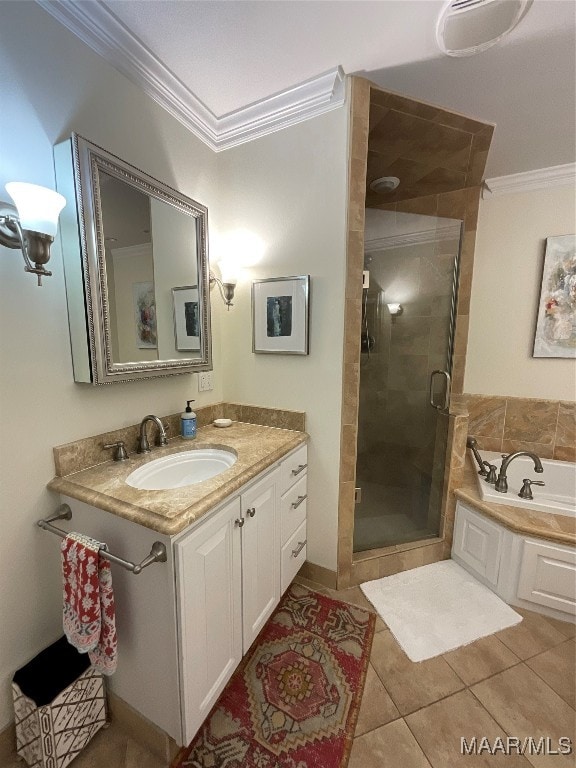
column 205, row 382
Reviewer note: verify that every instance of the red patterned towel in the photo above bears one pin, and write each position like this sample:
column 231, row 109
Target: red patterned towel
column 88, row 616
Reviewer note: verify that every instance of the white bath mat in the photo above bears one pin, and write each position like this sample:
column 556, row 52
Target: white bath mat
column 437, row 608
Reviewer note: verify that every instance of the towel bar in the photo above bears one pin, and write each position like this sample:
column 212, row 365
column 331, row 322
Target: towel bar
column 157, row 553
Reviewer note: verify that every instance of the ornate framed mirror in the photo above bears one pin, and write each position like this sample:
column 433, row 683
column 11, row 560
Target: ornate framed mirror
column 136, row 267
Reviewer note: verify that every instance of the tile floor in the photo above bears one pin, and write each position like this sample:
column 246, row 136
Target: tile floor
column 519, row 682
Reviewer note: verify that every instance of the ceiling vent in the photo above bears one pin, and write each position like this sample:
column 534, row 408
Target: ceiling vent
column 467, row 27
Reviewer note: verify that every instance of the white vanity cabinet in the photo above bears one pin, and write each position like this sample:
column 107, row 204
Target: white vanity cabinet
column 184, row 625
column 209, row 595
column 293, row 511
column 260, row 537
column 228, row 584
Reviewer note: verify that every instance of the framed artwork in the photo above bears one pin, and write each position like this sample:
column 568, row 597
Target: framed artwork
column 186, row 318
column 556, row 323
column 280, row 315
column 145, row 315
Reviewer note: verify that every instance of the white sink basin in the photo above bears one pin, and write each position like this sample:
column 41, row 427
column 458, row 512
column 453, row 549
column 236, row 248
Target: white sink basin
column 180, row 469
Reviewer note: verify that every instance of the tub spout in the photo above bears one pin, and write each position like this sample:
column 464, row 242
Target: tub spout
column 502, row 482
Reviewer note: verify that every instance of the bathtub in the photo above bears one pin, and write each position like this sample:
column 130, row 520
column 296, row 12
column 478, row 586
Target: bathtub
column 557, row 497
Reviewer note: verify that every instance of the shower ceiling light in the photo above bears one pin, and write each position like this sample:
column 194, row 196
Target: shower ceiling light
column 467, row 27
column 385, row 184
column 395, row 309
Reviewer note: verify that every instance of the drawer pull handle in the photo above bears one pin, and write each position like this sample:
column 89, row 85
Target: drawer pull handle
column 296, row 504
column 301, row 468
column 299, row 548
column 239, row 522
column 251, row 512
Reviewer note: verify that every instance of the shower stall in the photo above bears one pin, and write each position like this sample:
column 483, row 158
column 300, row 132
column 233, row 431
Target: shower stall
column 408, row 312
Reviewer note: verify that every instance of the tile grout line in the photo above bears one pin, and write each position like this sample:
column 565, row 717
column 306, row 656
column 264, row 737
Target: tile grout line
column 567, row 640
column 532, row 655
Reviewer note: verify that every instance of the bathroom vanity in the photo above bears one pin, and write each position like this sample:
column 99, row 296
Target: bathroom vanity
column 234, row 543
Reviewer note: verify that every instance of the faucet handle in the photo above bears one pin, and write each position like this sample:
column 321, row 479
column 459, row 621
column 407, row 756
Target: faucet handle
column 526, row 490
column 491, row 478
column 120, row 453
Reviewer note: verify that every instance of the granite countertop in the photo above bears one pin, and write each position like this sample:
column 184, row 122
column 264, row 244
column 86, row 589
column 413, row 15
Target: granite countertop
column 542, row 525
column 170, row 511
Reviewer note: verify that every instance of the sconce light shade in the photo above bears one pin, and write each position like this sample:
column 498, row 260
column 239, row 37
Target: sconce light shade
column 228, row 271
column 38, row 207
column 34, row 228
column 395, row 309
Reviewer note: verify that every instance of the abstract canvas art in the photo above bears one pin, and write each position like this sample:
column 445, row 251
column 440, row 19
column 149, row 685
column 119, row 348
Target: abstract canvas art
column 556, row 323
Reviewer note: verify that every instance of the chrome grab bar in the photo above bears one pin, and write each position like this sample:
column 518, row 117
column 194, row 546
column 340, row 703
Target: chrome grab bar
column 157, row 553
column 444, row 406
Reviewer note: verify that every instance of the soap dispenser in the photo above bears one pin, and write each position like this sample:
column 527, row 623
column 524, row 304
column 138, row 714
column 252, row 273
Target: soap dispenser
column 188, row 422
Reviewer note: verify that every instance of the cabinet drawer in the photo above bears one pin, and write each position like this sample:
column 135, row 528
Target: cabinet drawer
column 293, row 508
column 293, row 556
column 477, row 543
column 548, row 576
column 293, row 468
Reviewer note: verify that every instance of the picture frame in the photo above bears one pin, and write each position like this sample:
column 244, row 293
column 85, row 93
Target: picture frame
column 145, row 315
column 186, row 318
column 555, row 334
column 280, row 315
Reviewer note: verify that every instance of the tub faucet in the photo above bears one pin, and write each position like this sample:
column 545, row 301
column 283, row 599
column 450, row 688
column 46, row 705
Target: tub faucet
column 143, row 444
column 472, row 443
column 502, row 483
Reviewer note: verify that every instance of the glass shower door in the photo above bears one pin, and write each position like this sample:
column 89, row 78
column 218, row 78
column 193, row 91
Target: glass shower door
column 407, row 336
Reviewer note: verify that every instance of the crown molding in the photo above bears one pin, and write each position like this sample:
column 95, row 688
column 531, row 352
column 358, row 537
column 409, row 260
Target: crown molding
column 96, row 26
column 433, row 235
column 543, row 178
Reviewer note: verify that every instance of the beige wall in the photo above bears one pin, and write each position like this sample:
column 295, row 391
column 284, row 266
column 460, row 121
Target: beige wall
column 290, row 189
column 53, row 84
column 510, row 242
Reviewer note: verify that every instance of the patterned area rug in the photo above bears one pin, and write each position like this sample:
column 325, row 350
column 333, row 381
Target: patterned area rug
column 294, row 700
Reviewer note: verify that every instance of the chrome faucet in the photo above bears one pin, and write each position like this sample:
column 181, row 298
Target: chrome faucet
column 502, row 483
column 143, row 444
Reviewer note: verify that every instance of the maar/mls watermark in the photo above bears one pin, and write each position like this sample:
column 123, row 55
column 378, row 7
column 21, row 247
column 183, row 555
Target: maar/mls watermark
column 513, row 745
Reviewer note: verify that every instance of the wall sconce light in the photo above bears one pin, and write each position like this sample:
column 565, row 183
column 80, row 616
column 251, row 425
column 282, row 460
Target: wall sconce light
column 234, row 251
column 32, row 224
column 228, row 282
column 395, row 309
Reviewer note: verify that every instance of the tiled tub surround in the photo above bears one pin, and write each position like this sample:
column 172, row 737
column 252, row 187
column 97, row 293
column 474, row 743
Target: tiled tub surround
column 452, row 195
column 170, row 511
column 507, row 424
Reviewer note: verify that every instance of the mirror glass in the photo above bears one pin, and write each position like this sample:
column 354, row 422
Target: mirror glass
column 136, row 269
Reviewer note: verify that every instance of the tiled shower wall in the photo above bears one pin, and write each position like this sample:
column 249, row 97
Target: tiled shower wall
column 508, row 424
column 459, row 204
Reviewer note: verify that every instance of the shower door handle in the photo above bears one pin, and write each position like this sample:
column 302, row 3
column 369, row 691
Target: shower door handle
column 446, row 403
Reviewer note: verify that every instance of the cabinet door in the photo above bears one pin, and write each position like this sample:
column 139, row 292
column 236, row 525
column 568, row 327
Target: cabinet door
column 548, row 576
column 260, row 556
column 209, row 576
column 477, row 544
